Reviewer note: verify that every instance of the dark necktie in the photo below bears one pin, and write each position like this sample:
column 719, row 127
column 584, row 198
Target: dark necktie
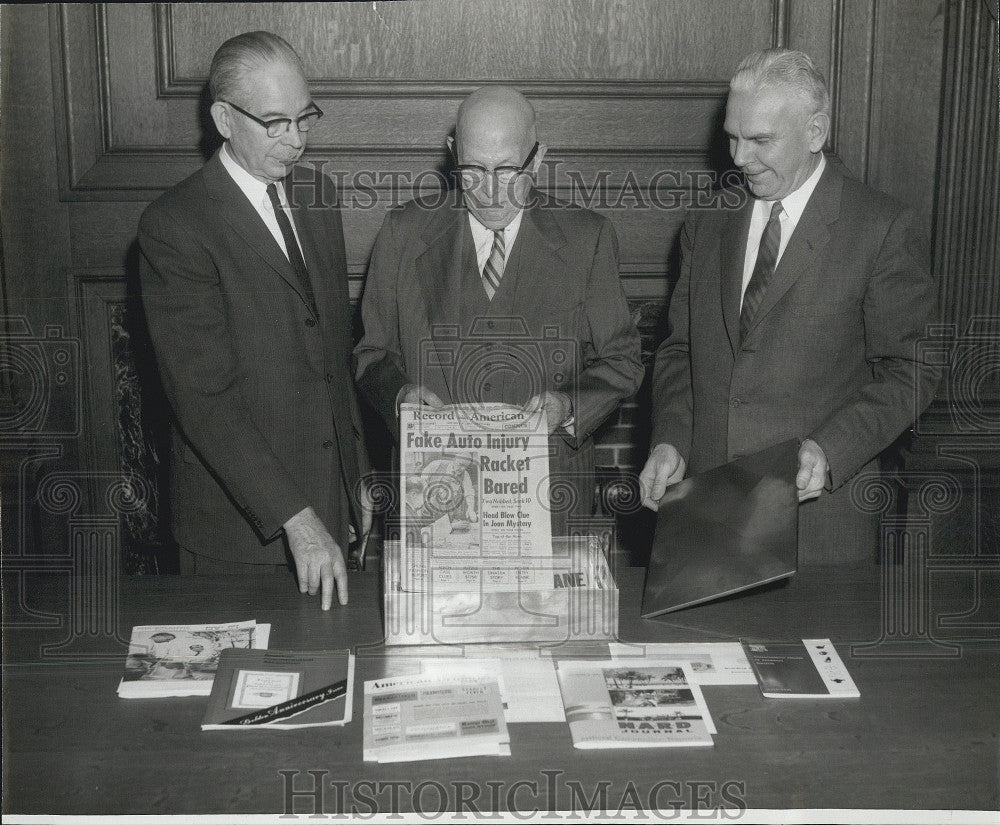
column 767, row 257
column 292, row 246
column 493, row 271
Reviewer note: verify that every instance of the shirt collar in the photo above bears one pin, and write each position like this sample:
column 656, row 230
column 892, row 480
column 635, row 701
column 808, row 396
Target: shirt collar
column 510, row 230
column 794, row 204
column 255, row 190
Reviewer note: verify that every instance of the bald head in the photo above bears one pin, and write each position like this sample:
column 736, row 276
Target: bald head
column 496, row 130
column 496, row 116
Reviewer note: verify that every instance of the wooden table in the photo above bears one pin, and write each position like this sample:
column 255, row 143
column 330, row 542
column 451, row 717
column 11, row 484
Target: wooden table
column 923, row 735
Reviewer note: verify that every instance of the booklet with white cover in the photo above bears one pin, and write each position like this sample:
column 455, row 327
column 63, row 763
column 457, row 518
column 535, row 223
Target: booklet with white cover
column 615, row 705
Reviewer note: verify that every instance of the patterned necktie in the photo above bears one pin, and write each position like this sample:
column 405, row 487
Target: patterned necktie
column 493, row 271
column 767, row 257
column 292, row 246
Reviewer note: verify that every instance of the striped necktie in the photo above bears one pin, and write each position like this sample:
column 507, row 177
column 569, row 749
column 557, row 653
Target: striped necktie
column 493, row 271
column 767, row 258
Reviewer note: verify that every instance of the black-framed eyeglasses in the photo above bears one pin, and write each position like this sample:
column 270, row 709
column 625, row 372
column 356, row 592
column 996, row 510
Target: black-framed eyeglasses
column 472, row 174
column 280, row 125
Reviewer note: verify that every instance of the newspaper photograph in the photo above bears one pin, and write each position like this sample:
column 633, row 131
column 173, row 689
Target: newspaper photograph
column 475, row 480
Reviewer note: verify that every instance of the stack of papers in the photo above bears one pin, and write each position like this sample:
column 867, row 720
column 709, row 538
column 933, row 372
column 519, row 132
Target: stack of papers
column 281, row 689
column 411, row 718
column 181, row 659
column 611, row 705
column 529, row 689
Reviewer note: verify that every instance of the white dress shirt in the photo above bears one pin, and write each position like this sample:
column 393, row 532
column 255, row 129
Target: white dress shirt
column 256, row 192
column 792, row 205
column 483, row 239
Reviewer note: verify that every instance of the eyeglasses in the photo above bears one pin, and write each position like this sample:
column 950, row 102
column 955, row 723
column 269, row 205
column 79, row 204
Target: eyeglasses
column 280, row 125
column 472, row 174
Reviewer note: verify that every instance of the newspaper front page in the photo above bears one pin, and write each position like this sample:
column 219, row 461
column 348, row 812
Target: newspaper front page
column 474, row 487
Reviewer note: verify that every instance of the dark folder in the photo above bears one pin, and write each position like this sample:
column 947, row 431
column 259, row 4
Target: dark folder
column 725, row 530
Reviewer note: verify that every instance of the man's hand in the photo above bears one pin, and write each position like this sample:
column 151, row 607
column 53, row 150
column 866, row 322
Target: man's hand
column 557, row 405
column 419, row 394
column 813, row 470
column 665, row 466
column 319, row 561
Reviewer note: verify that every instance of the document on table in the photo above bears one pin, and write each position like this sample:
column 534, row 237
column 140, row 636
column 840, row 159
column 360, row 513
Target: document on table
column 529, row 687
column 711, row 663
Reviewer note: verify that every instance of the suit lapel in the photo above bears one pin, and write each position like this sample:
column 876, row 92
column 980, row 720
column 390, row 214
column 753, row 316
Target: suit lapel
column 805, row 247
column 315, row 238
column 447, row 249
column 237, row 211
column 538, row 239
column 732, row 254
column 448, row 242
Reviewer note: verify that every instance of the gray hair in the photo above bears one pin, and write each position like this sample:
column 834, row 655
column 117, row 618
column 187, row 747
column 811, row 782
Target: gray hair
column 783, row 67
column 240, row 55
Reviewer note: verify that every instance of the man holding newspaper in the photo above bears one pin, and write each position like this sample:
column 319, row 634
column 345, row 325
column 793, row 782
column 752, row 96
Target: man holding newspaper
column 499, row 293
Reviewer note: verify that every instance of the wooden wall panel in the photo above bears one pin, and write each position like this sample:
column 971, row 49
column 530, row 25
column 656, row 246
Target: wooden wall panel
column 627, row 91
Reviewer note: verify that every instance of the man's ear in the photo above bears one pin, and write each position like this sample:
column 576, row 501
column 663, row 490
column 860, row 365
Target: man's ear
column 221, row 114
column 819, row 128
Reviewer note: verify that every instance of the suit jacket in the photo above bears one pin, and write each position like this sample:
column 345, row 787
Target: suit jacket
column 260, row 384
column 560, row 292
column 830, row 355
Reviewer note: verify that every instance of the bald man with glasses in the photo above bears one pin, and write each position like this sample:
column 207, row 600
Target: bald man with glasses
column 244, row 283
column 499, row 293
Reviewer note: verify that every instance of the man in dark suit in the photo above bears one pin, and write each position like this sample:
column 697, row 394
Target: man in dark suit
column 525, row 287
column 244, row 284
column 795, row 315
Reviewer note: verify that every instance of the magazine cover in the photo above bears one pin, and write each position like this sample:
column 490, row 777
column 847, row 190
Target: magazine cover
column 181, row 660
column 618, row 706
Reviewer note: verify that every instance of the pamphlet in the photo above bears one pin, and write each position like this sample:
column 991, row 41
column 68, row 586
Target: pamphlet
column 613, row 705
column 181, row 660
column 709, row 663
column 529, row 688
column 475, row 480
column 281, row 689
column 412, row 718
column 810, row 669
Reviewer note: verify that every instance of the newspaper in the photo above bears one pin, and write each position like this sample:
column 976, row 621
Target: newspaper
column 428, row 717
column 475, row 482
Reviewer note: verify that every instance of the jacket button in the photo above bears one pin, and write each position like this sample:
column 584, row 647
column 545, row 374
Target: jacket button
column 329, row 378
column 310, row 322
column 735, row 403
column 327, row 444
